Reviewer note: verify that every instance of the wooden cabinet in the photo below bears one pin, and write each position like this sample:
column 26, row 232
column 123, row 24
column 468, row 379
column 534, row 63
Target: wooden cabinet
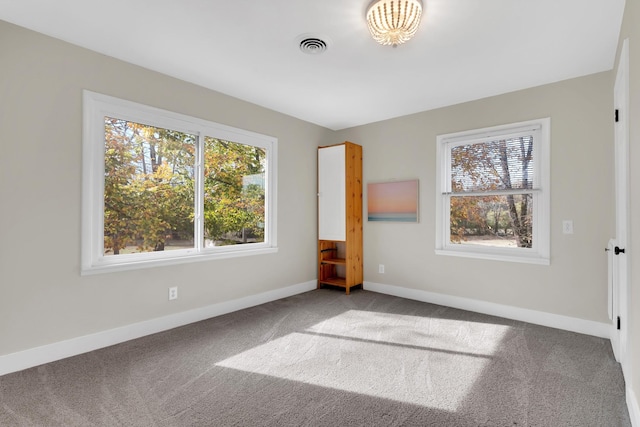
column 340, row 216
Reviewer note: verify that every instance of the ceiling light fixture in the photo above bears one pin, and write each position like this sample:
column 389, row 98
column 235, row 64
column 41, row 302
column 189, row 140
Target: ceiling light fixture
column 393, row 22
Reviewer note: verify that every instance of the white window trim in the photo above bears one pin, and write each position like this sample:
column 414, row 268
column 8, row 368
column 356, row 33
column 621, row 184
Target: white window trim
column 95, row 107
column 540, row 252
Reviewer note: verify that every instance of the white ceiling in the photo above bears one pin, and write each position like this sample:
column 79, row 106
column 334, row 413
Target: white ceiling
column 464, row 49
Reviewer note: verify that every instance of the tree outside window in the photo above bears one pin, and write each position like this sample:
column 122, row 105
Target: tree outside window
column 487, row 167
column 493, row 198
column 149, row 190
column 162, row 188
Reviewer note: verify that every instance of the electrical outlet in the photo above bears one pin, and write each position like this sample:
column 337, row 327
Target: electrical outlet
column 567, row 226
column 381, row 268
column 173, row 293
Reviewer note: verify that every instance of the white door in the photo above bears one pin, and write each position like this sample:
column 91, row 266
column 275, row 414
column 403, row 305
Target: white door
column 619, row 296
column 332, row 208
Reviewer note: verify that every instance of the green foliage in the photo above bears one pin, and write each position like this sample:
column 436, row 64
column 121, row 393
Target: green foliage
column 149, row 191
column 234, row 191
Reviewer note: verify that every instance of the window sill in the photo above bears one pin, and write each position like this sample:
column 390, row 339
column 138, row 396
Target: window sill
column 101, row 266
column 527, row 259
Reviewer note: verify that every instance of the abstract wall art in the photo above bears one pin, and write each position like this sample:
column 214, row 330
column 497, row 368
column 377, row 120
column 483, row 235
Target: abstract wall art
column 394, row 201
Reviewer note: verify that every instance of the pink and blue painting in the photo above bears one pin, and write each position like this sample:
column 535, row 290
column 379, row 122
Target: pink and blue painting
column 395, row 201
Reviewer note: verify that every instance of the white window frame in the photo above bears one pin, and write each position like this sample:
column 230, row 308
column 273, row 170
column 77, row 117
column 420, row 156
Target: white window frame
column 539, row 253
column 95, row 108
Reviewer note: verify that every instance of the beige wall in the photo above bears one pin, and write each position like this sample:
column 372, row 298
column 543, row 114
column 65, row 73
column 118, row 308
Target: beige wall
column 631, row 30
column 575, row 284
column 43, row 298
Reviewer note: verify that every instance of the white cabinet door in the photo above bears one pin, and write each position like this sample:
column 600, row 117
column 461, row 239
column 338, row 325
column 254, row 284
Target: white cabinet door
column 332, row 209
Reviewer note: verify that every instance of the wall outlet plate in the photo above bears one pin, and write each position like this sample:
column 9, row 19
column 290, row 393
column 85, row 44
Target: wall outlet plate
column 173, row 293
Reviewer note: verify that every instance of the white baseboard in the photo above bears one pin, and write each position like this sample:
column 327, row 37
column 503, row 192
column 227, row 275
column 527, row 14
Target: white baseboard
column 632, row 404
column 49, row 353
column 557, row 321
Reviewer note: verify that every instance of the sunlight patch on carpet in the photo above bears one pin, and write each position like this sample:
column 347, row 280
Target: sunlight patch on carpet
column 418, row 360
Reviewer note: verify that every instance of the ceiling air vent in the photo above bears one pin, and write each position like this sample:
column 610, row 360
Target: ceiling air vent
column 313, row 45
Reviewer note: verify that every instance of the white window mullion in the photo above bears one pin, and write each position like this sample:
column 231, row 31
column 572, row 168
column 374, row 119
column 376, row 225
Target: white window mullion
column 198, row 222
column 513, row 192
column 267, row 196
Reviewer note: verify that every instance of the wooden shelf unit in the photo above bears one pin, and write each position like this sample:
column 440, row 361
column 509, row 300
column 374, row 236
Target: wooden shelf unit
column 330, row 265
column 340, row 216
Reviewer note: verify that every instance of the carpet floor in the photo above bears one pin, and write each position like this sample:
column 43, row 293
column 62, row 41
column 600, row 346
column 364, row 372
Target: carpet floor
column 326, row 359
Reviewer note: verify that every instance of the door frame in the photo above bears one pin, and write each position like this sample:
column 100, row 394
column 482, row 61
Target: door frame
column 620, row 297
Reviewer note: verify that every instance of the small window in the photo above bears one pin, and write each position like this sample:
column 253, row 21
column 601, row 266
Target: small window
column 162, row 188
column 493, row 193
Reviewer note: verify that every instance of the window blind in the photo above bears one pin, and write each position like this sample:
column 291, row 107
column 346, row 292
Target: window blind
column 499, row 166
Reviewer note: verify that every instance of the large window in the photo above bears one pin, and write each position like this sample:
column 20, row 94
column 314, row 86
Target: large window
column 160, row 187
column 493, row 193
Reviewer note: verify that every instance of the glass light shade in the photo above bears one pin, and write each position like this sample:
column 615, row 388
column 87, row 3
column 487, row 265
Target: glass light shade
column 393, row 22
